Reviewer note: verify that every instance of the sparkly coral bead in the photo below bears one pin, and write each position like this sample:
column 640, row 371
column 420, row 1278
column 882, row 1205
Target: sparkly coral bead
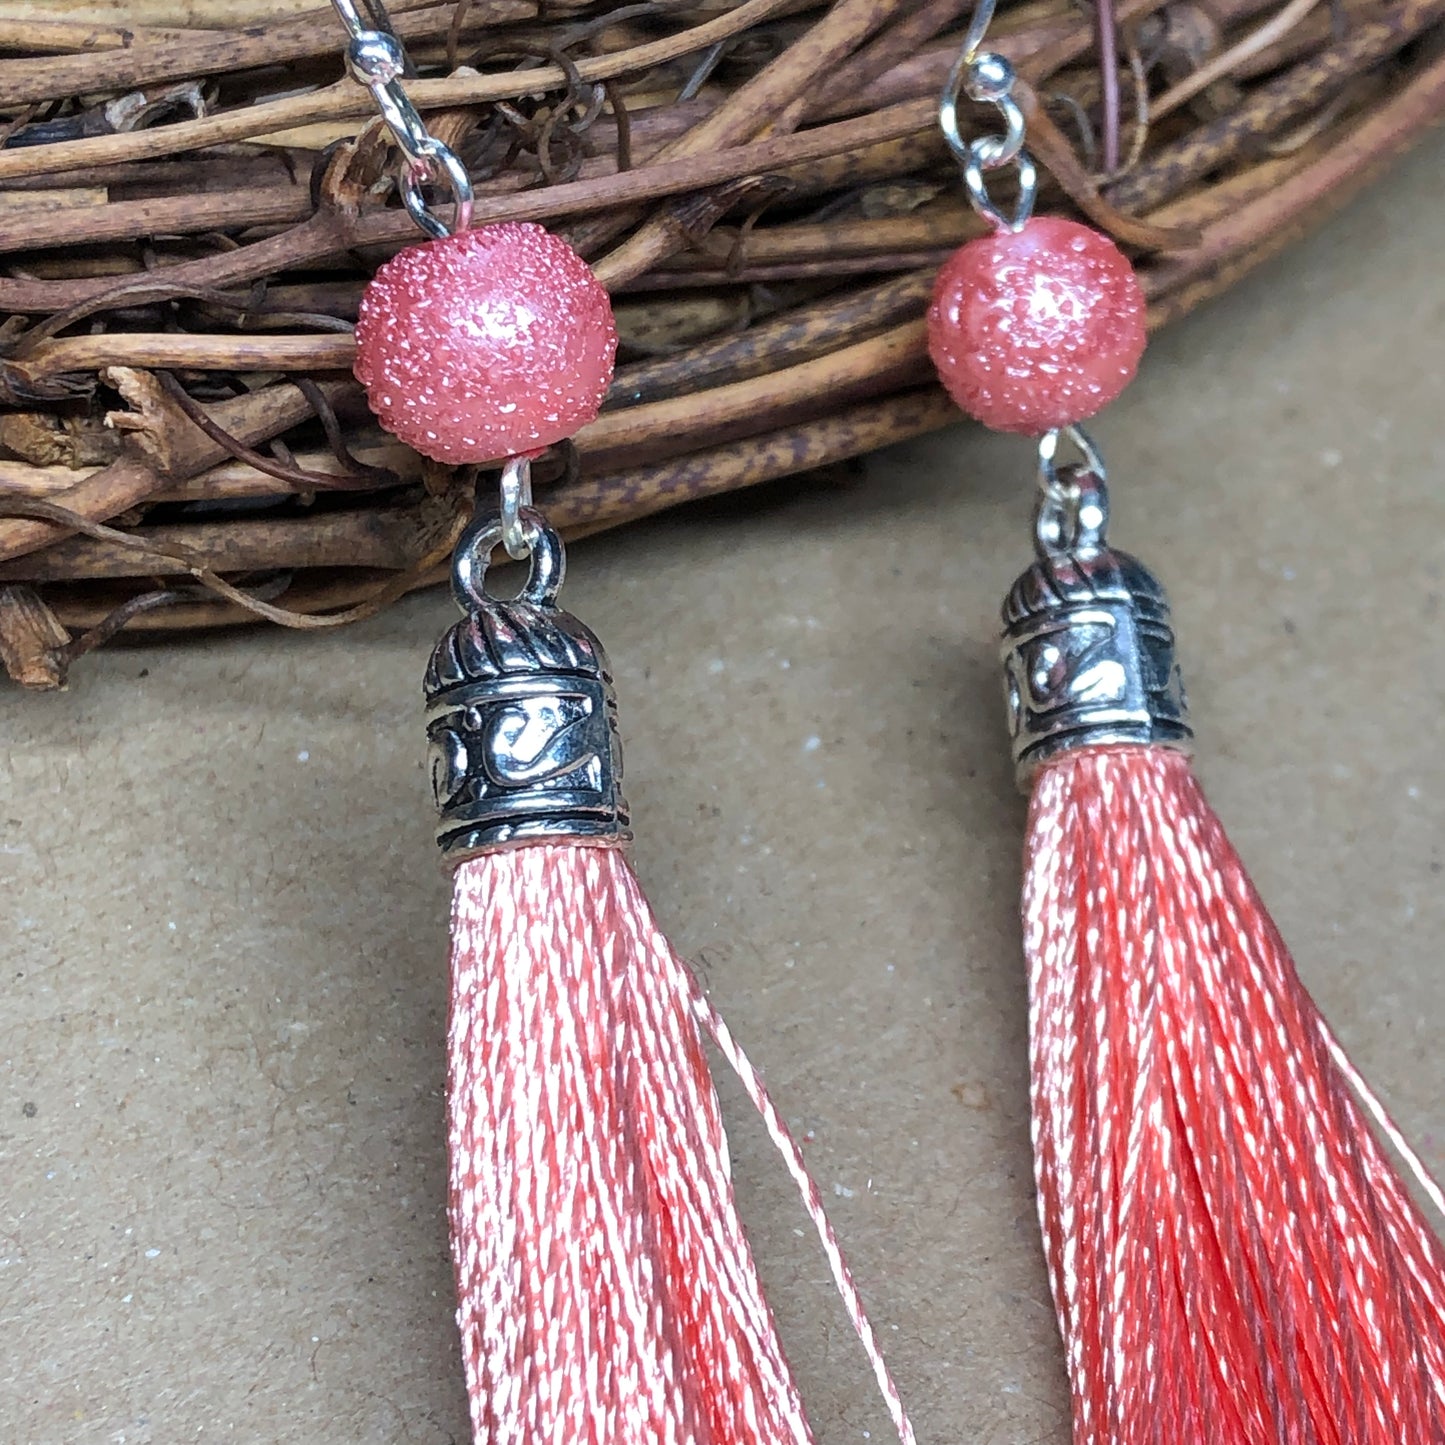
column 1038, row 328
column 485, row 344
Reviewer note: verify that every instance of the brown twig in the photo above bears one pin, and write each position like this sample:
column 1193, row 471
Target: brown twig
column 183, row 55
column 235, row 447
column 32, row 641
column 590, row 507
column 109, row 552
column 798, row 335
column 1282, row 210
column 645, row 433
column 345, row 100
column 211, row 352
column 163, row 445
column 155, row 216
column 898, row 40
column 1106, row 43
column 1272, row 106
column 330, row 233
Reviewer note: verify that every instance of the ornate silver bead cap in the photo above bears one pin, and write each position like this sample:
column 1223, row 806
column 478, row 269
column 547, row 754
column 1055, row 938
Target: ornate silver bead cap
column 521, row 713
column 1088, row 647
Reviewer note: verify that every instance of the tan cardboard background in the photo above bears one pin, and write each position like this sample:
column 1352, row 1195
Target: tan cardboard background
column 220, row 1030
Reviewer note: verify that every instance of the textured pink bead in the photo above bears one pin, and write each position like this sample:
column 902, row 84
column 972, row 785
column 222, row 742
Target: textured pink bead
column 485, row 344
column 1036, row 329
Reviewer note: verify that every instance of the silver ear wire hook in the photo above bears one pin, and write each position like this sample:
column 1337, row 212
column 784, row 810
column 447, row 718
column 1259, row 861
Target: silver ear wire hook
column 958, row 73
column 978, row 25
column 376, row 59
column 987, row 77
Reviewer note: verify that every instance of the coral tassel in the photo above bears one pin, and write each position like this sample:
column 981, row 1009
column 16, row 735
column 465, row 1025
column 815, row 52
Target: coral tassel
column 1233, row 1258
column 607, row 1292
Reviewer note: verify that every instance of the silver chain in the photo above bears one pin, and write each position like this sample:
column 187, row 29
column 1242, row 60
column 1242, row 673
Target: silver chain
column 375, row 58
column 987, row 77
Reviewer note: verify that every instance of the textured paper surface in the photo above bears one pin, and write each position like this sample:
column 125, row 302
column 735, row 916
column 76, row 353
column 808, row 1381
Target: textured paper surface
column 220, row 1033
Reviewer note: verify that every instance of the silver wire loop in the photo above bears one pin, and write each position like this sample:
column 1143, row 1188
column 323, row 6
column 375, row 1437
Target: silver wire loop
column 977, row 187
column 474, row 555
column 995, row 151
column 1073, row 507
column 516, row 500
column 1083, row 443
column 377, row 60
column 987, row 78
column 436, row 163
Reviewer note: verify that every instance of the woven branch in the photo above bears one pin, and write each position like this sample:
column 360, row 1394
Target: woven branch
column 193, row 196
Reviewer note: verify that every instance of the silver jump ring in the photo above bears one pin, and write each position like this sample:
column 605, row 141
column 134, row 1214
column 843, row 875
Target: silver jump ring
column 516, row 503
column 1093, row 458
column 474, row 555
column 995, row 151
column 986, row 78
column 432, row 161
column 977, row 162
column 1073, row 507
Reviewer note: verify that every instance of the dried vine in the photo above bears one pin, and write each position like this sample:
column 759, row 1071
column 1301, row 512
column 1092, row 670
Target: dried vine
column 189, row 209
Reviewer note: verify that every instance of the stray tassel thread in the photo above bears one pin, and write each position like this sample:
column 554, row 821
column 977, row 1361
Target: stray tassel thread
column 607, row 1290
column 1233, row 1258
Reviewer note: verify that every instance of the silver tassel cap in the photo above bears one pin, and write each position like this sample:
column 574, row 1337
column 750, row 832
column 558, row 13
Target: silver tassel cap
column 521, row 712
column 1088, row 646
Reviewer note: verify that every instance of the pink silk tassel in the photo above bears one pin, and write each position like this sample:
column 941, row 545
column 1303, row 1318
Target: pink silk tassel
column 607, row 1293
column 1233, row 1258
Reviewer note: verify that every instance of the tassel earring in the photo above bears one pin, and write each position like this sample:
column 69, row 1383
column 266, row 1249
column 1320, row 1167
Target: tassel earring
column 1232, row 1256
column 606, row 1291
